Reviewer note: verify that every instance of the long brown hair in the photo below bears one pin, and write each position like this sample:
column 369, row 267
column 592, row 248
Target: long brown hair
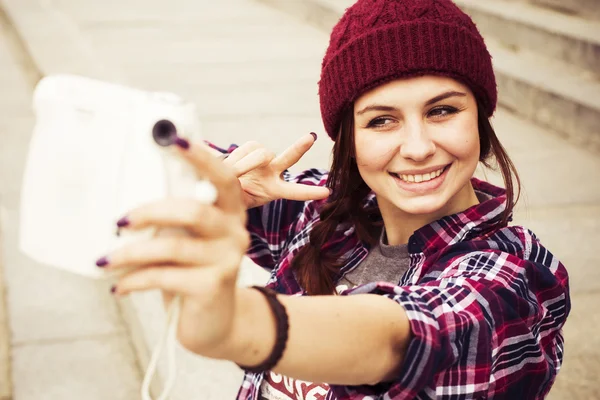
column 317, row 267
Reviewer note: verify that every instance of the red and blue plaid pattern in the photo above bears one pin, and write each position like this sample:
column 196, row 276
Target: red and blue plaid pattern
column 486, row 302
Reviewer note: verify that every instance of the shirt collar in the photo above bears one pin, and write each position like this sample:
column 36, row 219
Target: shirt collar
column 451, row 229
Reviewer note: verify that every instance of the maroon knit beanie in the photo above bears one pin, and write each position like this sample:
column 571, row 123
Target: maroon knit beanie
column 377, row 41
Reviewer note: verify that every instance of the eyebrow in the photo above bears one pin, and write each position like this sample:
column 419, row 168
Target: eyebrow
column 443, row 96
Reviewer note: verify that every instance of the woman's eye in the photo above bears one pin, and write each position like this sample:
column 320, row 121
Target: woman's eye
column 444, row 111
column 379, row 122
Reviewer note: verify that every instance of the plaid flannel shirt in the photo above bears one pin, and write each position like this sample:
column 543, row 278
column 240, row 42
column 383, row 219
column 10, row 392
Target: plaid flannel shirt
column 486, row 302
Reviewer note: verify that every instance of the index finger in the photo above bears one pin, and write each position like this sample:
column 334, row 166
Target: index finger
column 229, row 195
column 295, row 152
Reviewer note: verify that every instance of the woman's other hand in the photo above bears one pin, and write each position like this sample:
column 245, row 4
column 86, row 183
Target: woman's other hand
column 260, row 173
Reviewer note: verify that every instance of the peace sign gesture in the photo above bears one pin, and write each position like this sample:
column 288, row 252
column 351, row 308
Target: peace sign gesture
column 260, row 173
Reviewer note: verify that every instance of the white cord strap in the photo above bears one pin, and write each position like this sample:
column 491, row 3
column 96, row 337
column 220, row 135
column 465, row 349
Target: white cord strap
column 206, row 193
column 169, row 336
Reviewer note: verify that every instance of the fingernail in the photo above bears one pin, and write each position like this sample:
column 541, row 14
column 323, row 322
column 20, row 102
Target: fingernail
column 123, row 222
column 181, row 142
column 113, row 289
column 314, row 135
column 102, row 262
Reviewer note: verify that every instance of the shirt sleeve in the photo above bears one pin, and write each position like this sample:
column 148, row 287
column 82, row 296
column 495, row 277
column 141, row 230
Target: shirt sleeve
column 488, row 324
column 274, row 225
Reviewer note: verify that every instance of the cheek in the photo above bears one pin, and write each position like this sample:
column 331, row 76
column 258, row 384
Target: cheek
column 469, row 149
column 373, row 153
column 471, row 146
column 465, row 144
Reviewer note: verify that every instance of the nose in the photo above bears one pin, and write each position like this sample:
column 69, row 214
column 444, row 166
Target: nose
column 416, row 144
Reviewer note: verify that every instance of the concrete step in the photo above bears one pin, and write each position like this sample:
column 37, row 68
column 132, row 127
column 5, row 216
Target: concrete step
column 5, row 337
column 589, row 9
column 550, row 92
column 569, row 38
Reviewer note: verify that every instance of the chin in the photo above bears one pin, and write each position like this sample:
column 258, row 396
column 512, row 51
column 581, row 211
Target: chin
column 420, row 206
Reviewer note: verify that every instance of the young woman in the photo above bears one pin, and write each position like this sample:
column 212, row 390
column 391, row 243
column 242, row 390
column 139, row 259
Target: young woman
column 438, row 296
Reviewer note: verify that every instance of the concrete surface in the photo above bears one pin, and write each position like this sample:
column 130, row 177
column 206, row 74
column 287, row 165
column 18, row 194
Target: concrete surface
column 67, row 339
column 5, row 342
column 537, row 94
column 588, row 9
column 101, row 367
column 547, row 64
column 572, row 38
column 253, row 72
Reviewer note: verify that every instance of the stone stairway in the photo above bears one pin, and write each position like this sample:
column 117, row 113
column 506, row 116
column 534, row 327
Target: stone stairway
column 585, row 8
column 546, row 62
column 546, row 59
column 252, row 71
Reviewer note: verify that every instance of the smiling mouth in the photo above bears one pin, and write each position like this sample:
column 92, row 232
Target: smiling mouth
column 420, row 178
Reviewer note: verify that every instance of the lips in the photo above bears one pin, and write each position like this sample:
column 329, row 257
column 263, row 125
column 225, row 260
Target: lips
column 418, row 178
column 423, row 187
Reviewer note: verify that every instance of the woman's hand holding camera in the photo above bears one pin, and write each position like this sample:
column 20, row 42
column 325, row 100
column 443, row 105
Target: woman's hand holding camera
column 201, row 267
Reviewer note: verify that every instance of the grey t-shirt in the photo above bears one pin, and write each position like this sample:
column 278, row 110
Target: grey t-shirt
column 383, row 263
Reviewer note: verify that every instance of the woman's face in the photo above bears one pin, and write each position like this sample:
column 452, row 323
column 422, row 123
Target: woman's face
column 417, row 144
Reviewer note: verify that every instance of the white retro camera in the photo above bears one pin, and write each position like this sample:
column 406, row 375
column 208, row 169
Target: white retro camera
column 99, row 150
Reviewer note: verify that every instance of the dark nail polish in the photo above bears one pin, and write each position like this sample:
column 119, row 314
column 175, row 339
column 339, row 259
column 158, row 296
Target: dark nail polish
column 113, row 289
column 314, row 135
column 184, row 144
column 102, row 262
column 123, row 222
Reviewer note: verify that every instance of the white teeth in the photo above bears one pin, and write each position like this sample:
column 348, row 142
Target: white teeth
column 421, row 178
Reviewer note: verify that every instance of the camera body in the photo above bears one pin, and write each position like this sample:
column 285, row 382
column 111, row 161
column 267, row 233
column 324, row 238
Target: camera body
column 98, row 151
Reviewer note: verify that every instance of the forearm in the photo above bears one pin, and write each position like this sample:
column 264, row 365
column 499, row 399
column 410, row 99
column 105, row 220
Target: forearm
column 347, row 340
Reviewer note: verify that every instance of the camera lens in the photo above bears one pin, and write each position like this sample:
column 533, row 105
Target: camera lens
column 164, row 132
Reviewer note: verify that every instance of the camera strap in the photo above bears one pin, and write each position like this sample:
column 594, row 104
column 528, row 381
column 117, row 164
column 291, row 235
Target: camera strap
column 168, row 338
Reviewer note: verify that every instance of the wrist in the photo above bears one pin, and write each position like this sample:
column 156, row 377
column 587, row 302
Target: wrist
column 253, row 332
column 279, row 313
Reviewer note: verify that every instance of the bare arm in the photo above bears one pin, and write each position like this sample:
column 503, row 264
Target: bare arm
column 327, row 335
